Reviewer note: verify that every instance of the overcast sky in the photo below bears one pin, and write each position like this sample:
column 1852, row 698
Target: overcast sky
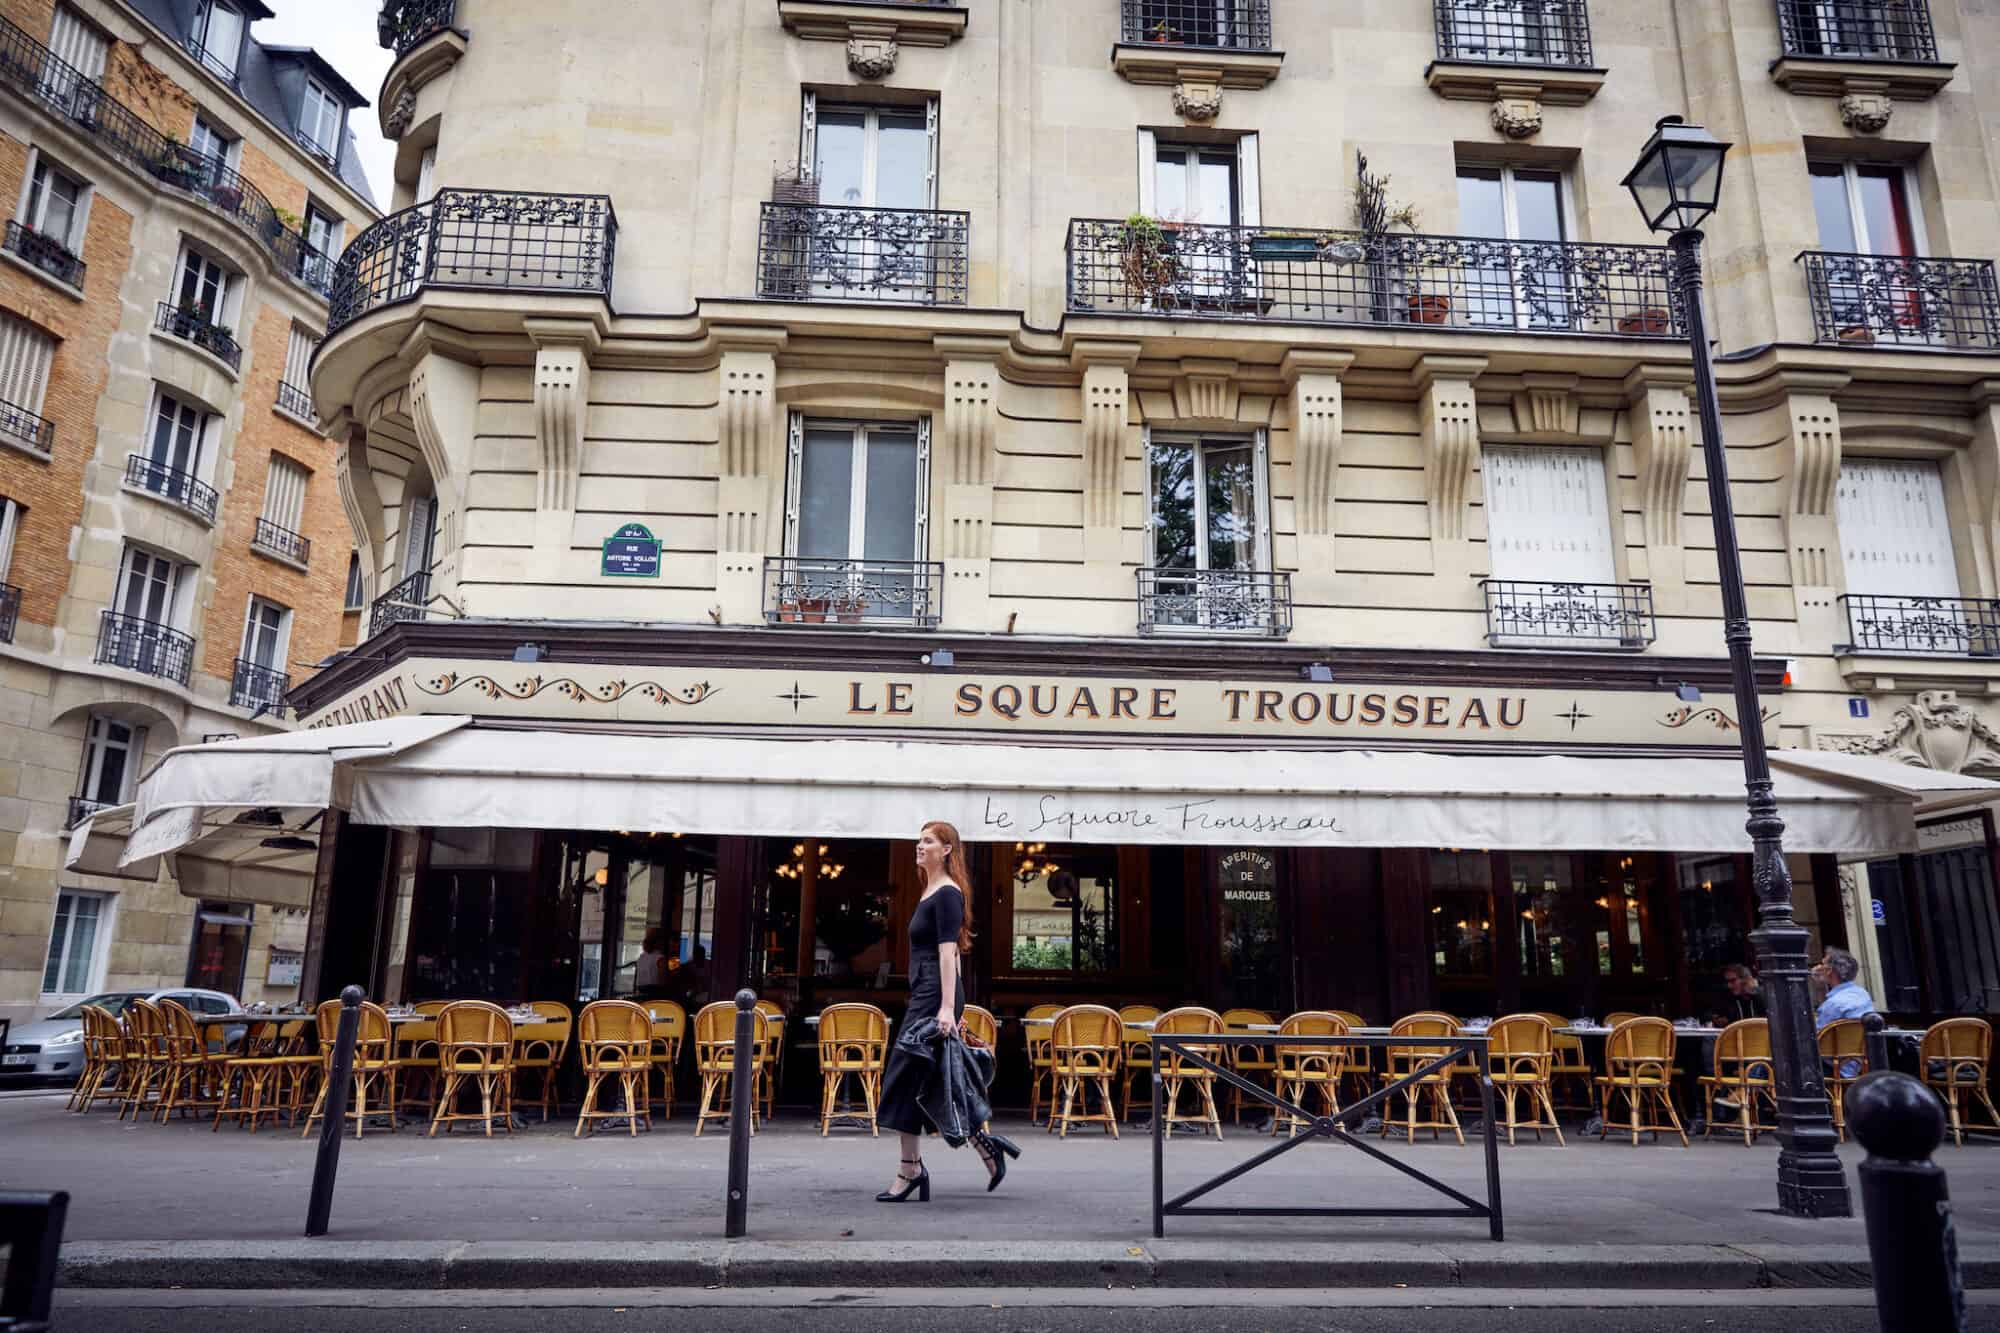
column 343, row 31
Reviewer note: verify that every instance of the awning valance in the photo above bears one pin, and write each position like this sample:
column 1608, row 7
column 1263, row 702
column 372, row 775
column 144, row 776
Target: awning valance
column 441, row 772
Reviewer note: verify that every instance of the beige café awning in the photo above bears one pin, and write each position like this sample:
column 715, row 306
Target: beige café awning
column 445, row 772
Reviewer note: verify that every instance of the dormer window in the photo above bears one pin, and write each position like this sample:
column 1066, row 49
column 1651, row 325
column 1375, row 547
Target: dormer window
column 319, row 121
column 218, row 37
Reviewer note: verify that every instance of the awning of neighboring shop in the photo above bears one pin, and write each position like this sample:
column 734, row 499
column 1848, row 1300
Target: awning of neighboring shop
column 251, row 858
column 443, row 772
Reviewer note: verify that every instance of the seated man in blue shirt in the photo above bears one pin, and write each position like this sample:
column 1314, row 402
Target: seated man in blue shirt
column 1845, row 997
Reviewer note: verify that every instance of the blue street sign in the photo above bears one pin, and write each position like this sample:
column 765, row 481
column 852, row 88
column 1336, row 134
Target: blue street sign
column 632, row 552
column 1857, row 708
column 1881, row 912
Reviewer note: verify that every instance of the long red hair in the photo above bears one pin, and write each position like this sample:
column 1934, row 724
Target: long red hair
column 958, row 872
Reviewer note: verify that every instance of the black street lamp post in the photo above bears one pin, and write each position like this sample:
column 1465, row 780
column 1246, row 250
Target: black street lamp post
column 1676, row 182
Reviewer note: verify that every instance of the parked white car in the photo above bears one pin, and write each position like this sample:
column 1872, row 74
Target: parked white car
column 52, row 1047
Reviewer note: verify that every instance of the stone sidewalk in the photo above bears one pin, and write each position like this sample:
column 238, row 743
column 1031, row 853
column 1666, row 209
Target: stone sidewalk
column 178, row 1199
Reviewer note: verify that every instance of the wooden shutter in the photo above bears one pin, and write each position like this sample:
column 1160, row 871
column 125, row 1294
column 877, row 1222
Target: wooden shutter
column 1249, row 194
column 1895, row 536
column 1149, row 167
column 77, row 44
column 25, row 354
column 417, row 535
column 1546, row 516
column 298, row 358
column 284, row 493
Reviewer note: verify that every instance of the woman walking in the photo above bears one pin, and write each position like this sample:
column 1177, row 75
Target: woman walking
column 940, row 930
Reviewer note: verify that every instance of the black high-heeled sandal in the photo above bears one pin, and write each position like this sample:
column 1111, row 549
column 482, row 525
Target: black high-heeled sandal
column 996, row 1150
column 920, row 1184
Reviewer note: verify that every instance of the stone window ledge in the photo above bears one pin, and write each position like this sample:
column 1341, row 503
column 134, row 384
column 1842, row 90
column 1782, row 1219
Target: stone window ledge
column 1486, row 81
column 258, row 548
column 35, row 271
column 7, row 441
column 1903, row 80
column 873, row 29
column 1888, row 673
column 200, row 353
column 1160, row 65
column 297, row 420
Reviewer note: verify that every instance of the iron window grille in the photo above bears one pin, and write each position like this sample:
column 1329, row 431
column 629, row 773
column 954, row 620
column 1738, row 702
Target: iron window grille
column 192, row 326
column 179, row 488
column 825, row 252
column 254, row 686
column 403, row 24
column 1923, row 626
column 1215, row 601
column 1616, row 616
column 1514, row 32
column 46, row 253
column 195, row 46
column 481, row 240
column 1903, row 301
column 811, row 590
column 144, row 646
column 36, row 434
column 1230, row 25
column 281, row 542
column 82, row 808
column 1857, row 30
column 40, row 75
column 408, row 600
column 10, row 611
column 1317, row 276
column 297, row 401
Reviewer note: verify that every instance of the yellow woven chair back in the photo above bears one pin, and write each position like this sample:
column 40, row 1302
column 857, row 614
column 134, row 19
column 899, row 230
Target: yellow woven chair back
column 1566, row 1045
column 1643, row 1048
column 1086, row 1037
column 143, row 1026
column 431, row 1008
column 853, row 1036
column 1240, row 1020
column 1193, row 1020
column 980, row 1023
column 474, row 1036
column 1959, row 1039
column 715, row 1035
column 371, row 1034
column 1429, row 1023
column 1044, row 1010
column 1298, row 1059
column 1617, row 1016
column 1520, row 1035
column 613, row 1035
column 670, row 1021
column 1844, row 1038
column 179, row 1037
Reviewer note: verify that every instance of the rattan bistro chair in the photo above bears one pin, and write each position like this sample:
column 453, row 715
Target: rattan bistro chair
column 1520, row 1052
column 1085, row 1046
column 615, row 1037
column 670, row 1025
column 374, row 1064
column 1301, row 1065
column 1178, row 1071
column 103, row 1074
column 1743, row 1073
column 1040, row 1063
column 268, row 1077
column 416, row 1046
column 1403, row 1061
column 715, row 1060
column 1135, row 1054
column 1955, row 1057
column 1570, row 1066
column 1358, row 1062
column 476, row 1046
column 539, row 1048
column 770, row 1055
column 194, row 1073
column 1639, row 1067
column 980, row 1027
column 1255, row 1063
column 145, row 1057
column 1843, row 1045
column 853, row 1044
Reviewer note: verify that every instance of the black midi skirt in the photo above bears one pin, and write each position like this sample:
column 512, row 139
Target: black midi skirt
column 904, row 1077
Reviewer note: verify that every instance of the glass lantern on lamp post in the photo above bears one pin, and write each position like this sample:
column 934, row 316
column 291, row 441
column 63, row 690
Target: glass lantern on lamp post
column 1676, row 184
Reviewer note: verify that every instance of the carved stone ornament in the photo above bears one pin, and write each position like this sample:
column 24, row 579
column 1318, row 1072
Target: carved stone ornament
column 872, row 57
column 1936, row 732
column 1198, row 99
column 398, row 122
column 1866, row 113
column 1517, row 116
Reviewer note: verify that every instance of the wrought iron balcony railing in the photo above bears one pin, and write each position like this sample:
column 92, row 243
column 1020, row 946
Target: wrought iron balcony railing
column 192, row 326
column 36, row 434
column 40, row 75
column 811, row 590
column 1866, row 299
column 45, row 253
column 1215, row 601
column 1230, row 25
column 818, row 252
column 482, row 240
column 1307, row 276
column 1923, row 626
column 10, row 611
column 403, row 24
column 408, row 600
column 180, row 488
column 214, row 64
column 1857, row 30
column 297, row 401
column 82, row 808
column 1514, row 32
column 259, row 687
column 1569, row 615
column 144, row 646
column 281, row 542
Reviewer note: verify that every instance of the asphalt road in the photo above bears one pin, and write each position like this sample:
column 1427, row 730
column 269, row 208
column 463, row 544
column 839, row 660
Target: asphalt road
column 977, row 1312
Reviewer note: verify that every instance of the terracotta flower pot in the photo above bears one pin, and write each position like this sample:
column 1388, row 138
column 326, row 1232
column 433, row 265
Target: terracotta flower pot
column 1650, row 320
column 1429, row 308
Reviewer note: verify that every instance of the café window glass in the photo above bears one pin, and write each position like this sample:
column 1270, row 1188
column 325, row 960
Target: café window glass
column 221, row 946
column 1251, row 951
column 1065, row 907
column 1543, row 884
column 1461, row 913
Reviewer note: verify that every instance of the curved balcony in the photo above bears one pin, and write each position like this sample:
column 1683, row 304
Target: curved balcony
column 182, row 489
column 38, row 74
column 192, row 326
column 145, row 646
column 404, row 25
column 478, row 240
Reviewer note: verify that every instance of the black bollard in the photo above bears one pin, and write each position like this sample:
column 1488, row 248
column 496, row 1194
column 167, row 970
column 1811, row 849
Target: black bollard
column 742, row 1097
column 1877, row 1045
column 31, row 1226
column 1912, row 1245
column 334, row 1121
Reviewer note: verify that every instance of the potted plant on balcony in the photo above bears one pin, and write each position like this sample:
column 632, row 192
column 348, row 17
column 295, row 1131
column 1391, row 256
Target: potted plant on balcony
column 1381, row 222
column 1854, row 327
column 1146, row 257
column 1280, row 245
column 1164, row 33
column 850, row 610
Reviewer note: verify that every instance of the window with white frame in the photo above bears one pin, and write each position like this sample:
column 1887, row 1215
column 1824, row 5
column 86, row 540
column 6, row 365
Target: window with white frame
column 11, row 513
column 284, row 494
column 1515, row 204
column 1866, row 208
column 75, row 964
column 1897, row 555
column 112, row 751
column 153, row 588
column 295, row 386
column 55, row 204
column 1207, row 529
column 219, row 36
column 427, row 175
column 180, row 436
column 319, row 120
column 77, row 43
column 207, row 290
column 322, row 233
column 877, row 157
column 419, row 535
column 26, row 353
column 267, row 630
column 1551, row 552
column 858, row 514
column 213, row 143
column 353, row 601
column 1209, row 184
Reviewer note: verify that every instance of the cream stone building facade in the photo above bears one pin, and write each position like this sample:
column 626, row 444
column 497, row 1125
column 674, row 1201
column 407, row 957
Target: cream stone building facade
column 172, row 546
column 750, row 372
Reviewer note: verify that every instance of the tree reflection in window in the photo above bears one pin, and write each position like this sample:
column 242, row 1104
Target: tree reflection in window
column 1065, row 908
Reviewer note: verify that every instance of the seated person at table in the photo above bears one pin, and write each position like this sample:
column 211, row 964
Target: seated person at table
column 1746, row 1000
column 1845, row 997
column 649, row 975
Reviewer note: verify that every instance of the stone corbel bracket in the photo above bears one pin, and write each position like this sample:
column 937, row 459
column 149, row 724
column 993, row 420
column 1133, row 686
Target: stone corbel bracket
column 362, row 502
column 1206, row 390
column 1812, row 473
column 1868, row 93
column 1312, row 379
column 1107, row 404
column 968, row 443
column 1663, row 451
column 1517, row 96
column 429, row 59
column 749, row 433
column 563, row 349
column 1448, row 411
column 874, row 33
column 1546, row 408
column 1196, row 74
